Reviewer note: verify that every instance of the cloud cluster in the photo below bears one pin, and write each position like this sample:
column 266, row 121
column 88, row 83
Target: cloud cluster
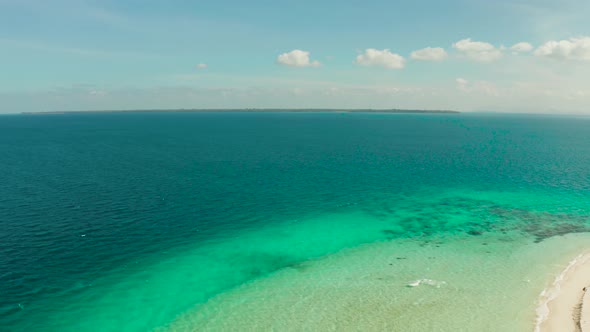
column 430, row 54
column 202, row 66
column 478, row 51
column 381, row 58
column 569, row 49
column 297, row 58
column 577, row 49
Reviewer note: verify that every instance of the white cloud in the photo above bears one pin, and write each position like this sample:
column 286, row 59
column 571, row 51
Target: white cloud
column 381, row 58
column 430, row 54
column 461, row 81
column 479, row 87
column 297, row 58
column 522, row 47
column 568, row 49
column 202, row 66
column 478, row 51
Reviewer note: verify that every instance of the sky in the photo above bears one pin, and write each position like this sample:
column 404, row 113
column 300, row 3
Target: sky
column 466, row 55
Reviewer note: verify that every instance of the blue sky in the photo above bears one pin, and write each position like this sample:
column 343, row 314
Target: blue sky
column 470, row 55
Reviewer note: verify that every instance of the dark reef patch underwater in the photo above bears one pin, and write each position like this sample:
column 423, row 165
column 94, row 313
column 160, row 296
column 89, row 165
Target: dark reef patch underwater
column 164, row 221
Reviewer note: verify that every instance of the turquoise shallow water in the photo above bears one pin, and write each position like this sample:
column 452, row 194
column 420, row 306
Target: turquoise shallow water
column 185, row 221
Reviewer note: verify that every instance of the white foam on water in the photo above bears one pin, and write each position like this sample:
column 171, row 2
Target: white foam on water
column 428, row 282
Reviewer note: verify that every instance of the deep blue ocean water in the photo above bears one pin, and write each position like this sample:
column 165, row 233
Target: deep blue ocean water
column 91, row 202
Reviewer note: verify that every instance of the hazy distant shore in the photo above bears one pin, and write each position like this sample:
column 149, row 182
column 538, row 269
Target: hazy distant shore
column 265, row 110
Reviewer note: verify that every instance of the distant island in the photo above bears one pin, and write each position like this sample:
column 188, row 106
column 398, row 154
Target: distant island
column 265, row 110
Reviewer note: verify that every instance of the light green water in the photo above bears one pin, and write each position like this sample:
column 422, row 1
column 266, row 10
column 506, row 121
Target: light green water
column 466, row 286
column 481, row 259
column 480, row 280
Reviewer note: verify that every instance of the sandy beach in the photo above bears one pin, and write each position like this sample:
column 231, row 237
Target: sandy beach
column 565, row 305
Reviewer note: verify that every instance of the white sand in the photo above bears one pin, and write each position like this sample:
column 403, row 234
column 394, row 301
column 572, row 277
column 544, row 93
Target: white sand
column 565, row 306
column 585, row 312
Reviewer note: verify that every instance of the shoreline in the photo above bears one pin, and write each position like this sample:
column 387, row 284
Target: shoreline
column 256, row 110
column 564, row 304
